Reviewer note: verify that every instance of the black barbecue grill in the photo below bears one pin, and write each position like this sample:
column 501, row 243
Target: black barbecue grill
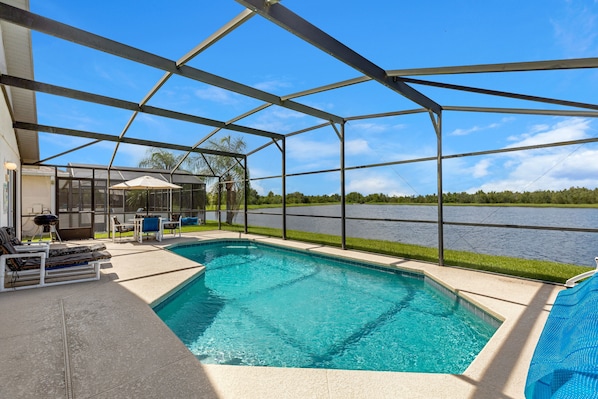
column 46, row 221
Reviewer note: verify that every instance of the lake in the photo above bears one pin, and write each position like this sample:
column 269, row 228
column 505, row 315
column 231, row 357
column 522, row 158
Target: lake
column 578, row 248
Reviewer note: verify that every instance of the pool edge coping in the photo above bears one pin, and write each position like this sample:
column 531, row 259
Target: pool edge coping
column 505, row 295
column 496, row 319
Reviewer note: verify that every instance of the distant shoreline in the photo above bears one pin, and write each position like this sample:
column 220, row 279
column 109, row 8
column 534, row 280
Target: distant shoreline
column 261, row 206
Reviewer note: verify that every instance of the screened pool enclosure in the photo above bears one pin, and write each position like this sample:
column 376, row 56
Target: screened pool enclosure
column 425, row 99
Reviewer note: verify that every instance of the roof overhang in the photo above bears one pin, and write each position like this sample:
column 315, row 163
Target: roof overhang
column 16, row 43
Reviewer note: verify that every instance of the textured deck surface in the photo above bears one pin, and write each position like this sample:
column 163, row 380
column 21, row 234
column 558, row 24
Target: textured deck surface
column 102, row 340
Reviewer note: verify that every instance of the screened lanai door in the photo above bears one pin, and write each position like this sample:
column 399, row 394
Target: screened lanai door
column 75, row 199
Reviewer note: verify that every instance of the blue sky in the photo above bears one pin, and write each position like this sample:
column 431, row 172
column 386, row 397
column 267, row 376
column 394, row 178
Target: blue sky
column 393, row 35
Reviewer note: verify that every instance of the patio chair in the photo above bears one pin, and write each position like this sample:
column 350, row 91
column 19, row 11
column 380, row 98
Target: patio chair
column 173, row 225
column 121, row 228
column 36, row 269
column 150, row 225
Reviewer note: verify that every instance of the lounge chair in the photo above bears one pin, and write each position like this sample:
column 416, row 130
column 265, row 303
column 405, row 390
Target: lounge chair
column 32, row 269
column 121, row 228
column 46, row 247
column 173, row 225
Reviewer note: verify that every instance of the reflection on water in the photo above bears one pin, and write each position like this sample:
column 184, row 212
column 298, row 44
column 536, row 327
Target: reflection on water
column 558, row 246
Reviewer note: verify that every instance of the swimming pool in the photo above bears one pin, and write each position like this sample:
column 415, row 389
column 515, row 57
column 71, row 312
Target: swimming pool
column 264, row 305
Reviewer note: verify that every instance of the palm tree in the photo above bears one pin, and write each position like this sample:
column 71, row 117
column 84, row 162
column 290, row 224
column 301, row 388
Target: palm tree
column 155, row 158
column 229, row 169
column 158, row 158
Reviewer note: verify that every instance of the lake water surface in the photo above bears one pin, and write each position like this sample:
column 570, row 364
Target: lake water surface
column 560, row 246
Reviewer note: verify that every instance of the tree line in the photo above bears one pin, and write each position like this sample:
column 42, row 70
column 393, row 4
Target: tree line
column 570, row 196
column 234, row 174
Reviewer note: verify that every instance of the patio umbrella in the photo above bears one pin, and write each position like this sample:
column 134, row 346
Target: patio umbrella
column 145, row 183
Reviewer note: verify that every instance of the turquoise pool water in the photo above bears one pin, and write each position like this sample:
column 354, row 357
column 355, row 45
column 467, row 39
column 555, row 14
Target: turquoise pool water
column 263, row 305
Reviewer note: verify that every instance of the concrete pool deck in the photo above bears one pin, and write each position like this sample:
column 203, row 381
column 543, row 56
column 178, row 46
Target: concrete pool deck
column 102, row 340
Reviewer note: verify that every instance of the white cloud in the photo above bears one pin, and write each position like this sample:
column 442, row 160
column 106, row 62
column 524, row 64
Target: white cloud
column 72, row 117
column 256, row 185
column 554, row 171
column 132, row 153
column 480, row 169
column 216, row 95
column 465, row 132
column 284, row 113
column 357, row 147
column 151, row 121
column 371, row 182
column 65, row 142
column 554, row 168
column 539, row 128
column 569, row 129
column 549, row 168
column 272, row 85
column 577, row 31
column 370, row 127
column 374, row 128
column 271, row 125
column 276, row 119
column 111, row 74
column 302, row 150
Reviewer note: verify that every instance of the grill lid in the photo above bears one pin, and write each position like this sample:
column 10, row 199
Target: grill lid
column 46, row 220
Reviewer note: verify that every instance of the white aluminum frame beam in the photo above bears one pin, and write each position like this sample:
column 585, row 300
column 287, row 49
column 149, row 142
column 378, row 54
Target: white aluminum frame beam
column 14, row 81
column 548, row 65
column 112, row 138
column 54, row 28
column 311, row 34
column 523, row 111
column 497, row 93
column 244, row 16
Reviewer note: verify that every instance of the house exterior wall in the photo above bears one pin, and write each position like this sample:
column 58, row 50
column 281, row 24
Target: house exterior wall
column 37, row 197
column 9, row 152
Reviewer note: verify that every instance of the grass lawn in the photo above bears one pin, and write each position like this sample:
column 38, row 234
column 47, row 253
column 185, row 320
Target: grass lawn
column 534, row 269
